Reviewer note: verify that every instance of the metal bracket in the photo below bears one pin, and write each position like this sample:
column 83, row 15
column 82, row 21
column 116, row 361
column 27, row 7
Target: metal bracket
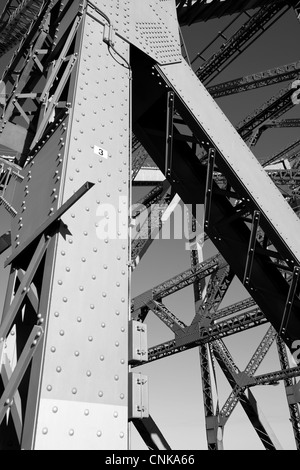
column 138, row 392
column 138, row 346
column 109, row 35
column 251, row 248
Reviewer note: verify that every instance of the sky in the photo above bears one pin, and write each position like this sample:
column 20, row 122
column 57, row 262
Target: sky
column 175, row 398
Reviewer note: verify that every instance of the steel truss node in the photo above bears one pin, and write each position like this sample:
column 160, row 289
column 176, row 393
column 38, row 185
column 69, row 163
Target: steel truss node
column 100, row 100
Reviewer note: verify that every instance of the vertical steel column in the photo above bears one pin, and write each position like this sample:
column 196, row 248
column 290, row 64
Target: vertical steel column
column 79, row 380
column 289, row 384
column 214, row 440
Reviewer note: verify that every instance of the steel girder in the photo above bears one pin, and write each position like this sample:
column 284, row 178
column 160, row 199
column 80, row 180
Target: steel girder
column 256, row 80
column 151, row 133
column 60, row 153
column 38, row 140
column 192, row 11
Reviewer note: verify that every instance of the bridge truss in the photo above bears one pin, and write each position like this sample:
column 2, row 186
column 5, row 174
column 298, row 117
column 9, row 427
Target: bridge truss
column 103, row 99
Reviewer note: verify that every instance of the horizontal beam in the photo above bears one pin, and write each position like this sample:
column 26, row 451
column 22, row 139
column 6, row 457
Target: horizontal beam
column 256, row 80
column 179, row 281
column 198, row 336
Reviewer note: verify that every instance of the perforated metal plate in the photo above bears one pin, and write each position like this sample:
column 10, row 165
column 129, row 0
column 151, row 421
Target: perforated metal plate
column 151, row 25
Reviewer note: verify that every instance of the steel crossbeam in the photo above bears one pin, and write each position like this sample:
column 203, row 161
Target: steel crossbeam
column 231, row 49
column 192, row 11
column 15, row 21
column 256, row 80
column 273, row 108
column 241, row 322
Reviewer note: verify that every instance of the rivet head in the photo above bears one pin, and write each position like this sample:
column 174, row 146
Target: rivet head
column 100, row 394
column 74, row 391
column 45, row 431
column 54, row 409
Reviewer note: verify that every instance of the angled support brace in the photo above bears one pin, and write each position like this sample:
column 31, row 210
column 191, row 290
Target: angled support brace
column 289, row 300
column 151, row 434
column 22, row 291
column 50, row 221
column 31, row 294
column 209, row 185
column 16, row 407
column 19, row 371
column 251, row 248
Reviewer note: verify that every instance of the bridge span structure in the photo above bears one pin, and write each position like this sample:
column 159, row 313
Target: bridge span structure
column 110, row 123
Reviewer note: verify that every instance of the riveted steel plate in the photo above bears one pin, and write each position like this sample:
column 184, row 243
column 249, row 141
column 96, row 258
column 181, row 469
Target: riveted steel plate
column 35, row 198
column 151, row 25
column 86, row 346
column 81, row 426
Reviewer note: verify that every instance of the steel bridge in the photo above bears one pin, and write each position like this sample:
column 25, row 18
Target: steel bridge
column 108, row 127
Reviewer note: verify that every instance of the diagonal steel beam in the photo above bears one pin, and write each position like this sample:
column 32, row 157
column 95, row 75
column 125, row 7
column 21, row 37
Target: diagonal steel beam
column 22, row 291
column 19, row 371
column 50, row 221
column 151, row 434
